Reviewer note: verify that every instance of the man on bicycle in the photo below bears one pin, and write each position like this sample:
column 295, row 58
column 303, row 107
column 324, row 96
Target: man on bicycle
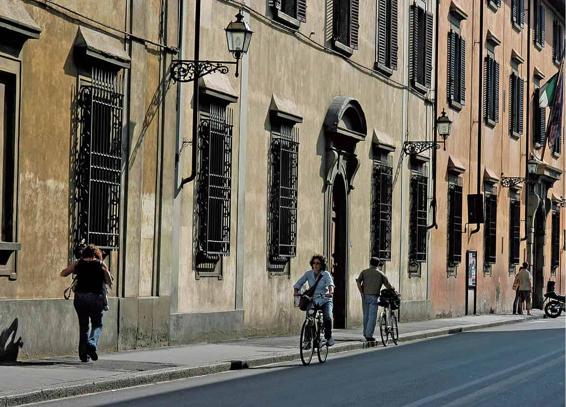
column 369, row 283
column 322, row 297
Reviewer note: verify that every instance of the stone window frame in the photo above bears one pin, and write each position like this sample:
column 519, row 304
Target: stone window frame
column 421, row 36
column 516, row 102
column 386, row 41
column 539, row 24
column 281, row 13
column 351, row 20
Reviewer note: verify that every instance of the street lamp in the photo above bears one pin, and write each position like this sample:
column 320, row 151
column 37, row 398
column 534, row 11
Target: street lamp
column 238, row 38
column 443, row 127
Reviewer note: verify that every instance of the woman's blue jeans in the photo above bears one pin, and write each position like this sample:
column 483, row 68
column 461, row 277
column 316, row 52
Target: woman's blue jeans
column 89, row 308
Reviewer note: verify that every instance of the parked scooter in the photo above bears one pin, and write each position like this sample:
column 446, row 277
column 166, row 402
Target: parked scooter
column 556, row 303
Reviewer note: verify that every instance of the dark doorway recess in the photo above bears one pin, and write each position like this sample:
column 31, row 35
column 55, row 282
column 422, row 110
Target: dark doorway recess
column 338, row 251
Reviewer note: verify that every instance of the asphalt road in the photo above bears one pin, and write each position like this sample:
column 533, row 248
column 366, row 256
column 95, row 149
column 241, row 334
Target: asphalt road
column 513, row 365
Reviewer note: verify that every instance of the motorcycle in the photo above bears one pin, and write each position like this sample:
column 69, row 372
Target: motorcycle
column 556, row 303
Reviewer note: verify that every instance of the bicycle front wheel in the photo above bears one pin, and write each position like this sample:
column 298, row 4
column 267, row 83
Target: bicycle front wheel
column 322, row 348
column 394, row 329
column 383, row 331
column 306, row 346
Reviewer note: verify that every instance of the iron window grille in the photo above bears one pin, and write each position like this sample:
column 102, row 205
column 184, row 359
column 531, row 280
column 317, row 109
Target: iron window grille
column 490, row 229
column 381, row 210
column 514, row 231
column 454, row 234
column 345, row 22
column 386, row 56
column 420, row 48
column 296, row 9
column 284, row 178
column 456, row 89
column 539, row 120
column 516, row 96
column 214, row 183
column 539, row 30
column 557, row 41
column 99, row 161
column 418, row 218
column 518, row 12
column 491, row 91
column 555, row 252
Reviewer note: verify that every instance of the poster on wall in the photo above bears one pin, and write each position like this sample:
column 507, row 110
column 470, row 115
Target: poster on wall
column 471, row 267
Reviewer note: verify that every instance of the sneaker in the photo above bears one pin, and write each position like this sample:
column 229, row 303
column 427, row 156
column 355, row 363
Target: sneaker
column 83, row 357
column 330, row 342
column 92, row 353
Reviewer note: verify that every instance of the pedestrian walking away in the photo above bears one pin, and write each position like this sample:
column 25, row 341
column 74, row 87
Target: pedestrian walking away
column 91, row 275
column 324, row 290
column 525, row 286
column 369, row 283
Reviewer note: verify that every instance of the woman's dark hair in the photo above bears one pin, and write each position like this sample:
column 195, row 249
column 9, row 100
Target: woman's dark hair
column 91, row 251
column 322, row 260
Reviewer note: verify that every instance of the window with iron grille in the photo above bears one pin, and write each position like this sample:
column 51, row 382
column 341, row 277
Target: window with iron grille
column 490, row 228
column 295, row 9
column 381, row 209
column 454, row 234
column 456, row 87
column 99, row 161
column 539, row 114
column 418, row 218
column 214, row 182
column 518, row 13
column 284, row 178
column 345, row 23
column 420, row 48
column 491, row 91
column 516, row 92
column 557, row 41
column 539, row 23
column 555, row 255
column 386, row 55
column 514, row 231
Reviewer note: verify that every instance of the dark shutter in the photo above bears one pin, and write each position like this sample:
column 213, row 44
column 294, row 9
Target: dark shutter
column 302, row 10
column 382, row 32
column 354, row 23
column 555, row 255
column 413, row 19
column 451, row 65
column 496, row 91
column 520, row 103
column 514, row 232
column 455, row 225
column 512, row 101
column 393, row 15
column 490, row 235
column 521, row 12
column 514, row 7
column 539, row 120
column 486, row 88
column 462, row 72
column 542, row 24
column 429, row 45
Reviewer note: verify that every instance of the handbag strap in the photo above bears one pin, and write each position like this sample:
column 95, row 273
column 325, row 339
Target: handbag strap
column 316, row 282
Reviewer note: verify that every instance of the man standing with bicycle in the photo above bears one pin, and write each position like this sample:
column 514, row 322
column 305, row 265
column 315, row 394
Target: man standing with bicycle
column 369, row 283
column 323, row 285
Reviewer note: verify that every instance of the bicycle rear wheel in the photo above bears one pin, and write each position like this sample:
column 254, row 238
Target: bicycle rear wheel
column 306, row 346
column 394, row 329
column 322, row 348
column 383, row 329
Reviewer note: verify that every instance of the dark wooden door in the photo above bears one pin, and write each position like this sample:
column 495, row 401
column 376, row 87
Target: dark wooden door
column 338, row 250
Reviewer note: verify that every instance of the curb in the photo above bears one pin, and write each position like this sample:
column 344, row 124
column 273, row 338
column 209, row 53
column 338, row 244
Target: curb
column 169, row 374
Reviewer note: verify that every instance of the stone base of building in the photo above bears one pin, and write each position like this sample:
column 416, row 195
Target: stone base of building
column 415, row 310
column 207, row 326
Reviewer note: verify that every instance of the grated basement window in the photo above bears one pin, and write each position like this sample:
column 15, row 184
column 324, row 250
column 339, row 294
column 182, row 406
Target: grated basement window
column 381, row 210
column 514, row 232
column 454, row 235
column 490, row 228
column 284, row 177
column 418, row 218
column 214, row 183
column 99, row 161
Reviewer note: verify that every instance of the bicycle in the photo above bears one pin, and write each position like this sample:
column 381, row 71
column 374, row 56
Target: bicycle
column 388, row 327
column 312, row 336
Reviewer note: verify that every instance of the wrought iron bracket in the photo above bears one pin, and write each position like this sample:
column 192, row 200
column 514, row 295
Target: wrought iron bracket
column 189, row 70
column 417, row 147
column 510, row 182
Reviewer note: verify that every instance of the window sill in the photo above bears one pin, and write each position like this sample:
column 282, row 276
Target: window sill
column 385, row 70
column 555, row 155
column 539, row 46
column 455, row 105
column 490, row 123
column 556, row 62
column 515, row 135
column 286, row 19
column 518, row 27
column 343, row 49
column 494, row 7
column 419, row 87
column 7, row 249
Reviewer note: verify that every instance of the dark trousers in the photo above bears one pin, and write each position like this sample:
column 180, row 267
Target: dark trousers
column 89, row 308
column 326, row 317
column 517, row 306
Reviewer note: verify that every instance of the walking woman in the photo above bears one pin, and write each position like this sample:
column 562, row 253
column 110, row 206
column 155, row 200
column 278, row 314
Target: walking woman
column 91, row 275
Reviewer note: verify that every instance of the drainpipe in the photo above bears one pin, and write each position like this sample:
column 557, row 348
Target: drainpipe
column 480, row 125
column 528, row 127
column 434, row 115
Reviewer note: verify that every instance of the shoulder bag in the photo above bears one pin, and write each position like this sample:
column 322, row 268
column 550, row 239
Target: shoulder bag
column 304, row 302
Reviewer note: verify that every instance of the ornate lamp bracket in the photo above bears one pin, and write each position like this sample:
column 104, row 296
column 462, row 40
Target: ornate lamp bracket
column 189, row 70
column 510, row 182
column 417, row 147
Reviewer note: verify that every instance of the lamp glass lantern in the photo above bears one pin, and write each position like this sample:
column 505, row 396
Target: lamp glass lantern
column 238, row 36
column 443, row 125
column 532, row 167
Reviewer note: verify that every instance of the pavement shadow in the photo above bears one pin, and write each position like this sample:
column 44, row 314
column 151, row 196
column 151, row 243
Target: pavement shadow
column 9, row 345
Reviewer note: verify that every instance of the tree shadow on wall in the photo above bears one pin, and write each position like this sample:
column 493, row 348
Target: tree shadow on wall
column 9, row 346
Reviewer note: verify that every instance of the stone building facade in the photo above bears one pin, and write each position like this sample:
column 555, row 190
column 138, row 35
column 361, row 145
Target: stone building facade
column 313, row 148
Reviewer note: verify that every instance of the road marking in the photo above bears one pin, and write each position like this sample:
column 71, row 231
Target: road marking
column 488, row 378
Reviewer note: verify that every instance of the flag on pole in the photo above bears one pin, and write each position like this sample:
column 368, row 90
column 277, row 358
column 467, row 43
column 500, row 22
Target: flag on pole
column 556, row 108
column 546, row 92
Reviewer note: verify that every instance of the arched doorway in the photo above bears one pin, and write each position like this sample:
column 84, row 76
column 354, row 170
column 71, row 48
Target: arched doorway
column 344, row 127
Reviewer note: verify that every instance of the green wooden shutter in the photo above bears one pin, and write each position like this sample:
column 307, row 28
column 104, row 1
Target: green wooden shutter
column 381, row 32
column 462, row 72
column 429, row 46
column 451, row 71
column 354, row 23
column 302, row 10
column 393, row 47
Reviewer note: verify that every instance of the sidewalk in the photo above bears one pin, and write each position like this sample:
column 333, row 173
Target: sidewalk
column 47, row 379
